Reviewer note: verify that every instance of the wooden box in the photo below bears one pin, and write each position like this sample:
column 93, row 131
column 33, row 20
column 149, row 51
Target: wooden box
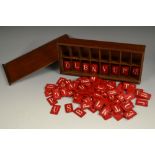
column 114, row 55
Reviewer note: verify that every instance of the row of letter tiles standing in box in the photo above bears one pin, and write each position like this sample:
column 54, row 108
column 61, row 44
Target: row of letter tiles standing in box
column 94, row 68
column 97, row 95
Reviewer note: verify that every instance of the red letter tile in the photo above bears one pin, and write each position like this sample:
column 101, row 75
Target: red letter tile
column 79, row 112
column 67, row 65
column 116, row 108
column 51, row 101
column 85, row 67
column 69, row 107
column 127, row 106
column 106, row 112
column 144, row 95
column 135, row 71
column 105, row 69
column 76, row 65
column 117, row 116
column 98, row 104
column 94, row 68
column 125, row 70
column 130, row 114
column 142, row 102
column 55, row 109
column 115, row 70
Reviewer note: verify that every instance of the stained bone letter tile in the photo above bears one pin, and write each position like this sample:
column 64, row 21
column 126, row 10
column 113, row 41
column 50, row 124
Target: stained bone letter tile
column 85, row 67
column 68, row 107
column 106, row 97
column 55, row 109
column 106, row 112
column 51, row 101
column 125, row 70
column 77, row 65
column 130, row 114
column 117, row 116
column 115, row 70
column 67, row 65
column 94, row 68
column 79, row 112
column 144, row 95
column 135, row 71
column 141, row 102
column 105, row 69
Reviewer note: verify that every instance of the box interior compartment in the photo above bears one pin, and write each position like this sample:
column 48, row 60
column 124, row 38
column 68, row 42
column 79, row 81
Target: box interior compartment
column 96, row 52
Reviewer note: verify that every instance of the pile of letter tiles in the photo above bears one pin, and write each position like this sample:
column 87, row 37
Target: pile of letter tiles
column 107, row 98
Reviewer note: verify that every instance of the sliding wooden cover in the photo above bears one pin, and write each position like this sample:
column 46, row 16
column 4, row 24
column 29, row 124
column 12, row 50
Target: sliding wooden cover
column 32, row 61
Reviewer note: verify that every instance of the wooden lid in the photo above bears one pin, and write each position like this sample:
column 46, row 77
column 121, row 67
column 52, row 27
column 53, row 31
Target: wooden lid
column 36, row 59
